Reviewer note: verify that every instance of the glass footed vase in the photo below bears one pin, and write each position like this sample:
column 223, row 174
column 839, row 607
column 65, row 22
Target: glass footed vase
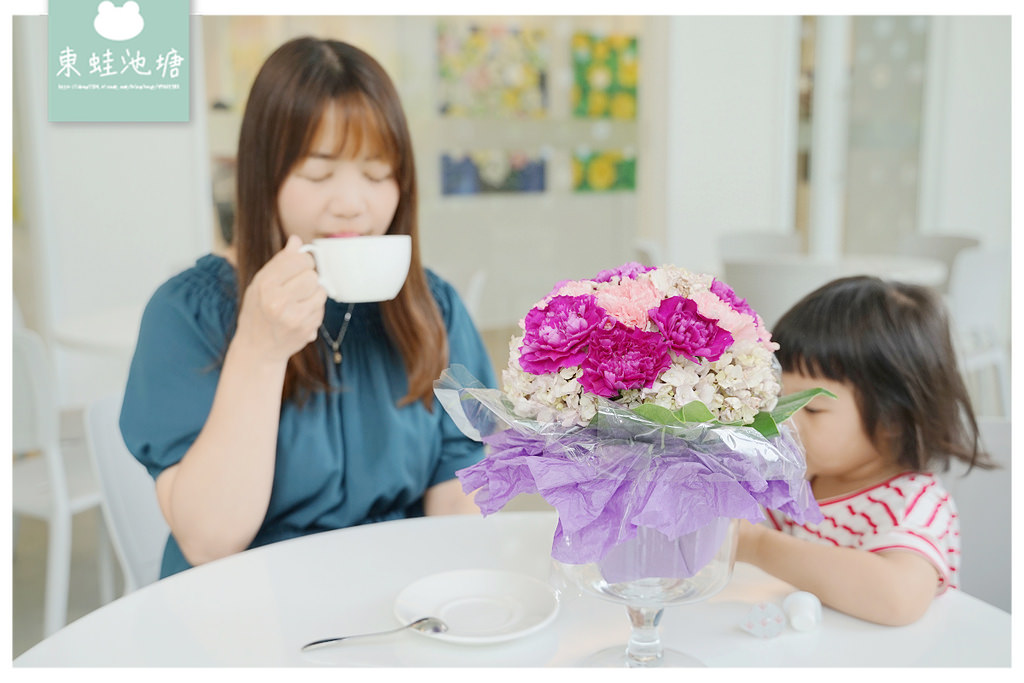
column 649, row 573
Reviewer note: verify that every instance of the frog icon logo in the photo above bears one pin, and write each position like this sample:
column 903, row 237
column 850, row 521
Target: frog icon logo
column 118, row 23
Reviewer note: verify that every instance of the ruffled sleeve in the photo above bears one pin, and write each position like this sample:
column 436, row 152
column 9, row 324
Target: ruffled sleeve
column 465, row 347
column 173, row 375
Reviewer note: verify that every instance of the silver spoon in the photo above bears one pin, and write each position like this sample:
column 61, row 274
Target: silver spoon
column 424, row 625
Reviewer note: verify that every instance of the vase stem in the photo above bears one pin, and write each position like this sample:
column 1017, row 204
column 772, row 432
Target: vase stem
column 644, row 648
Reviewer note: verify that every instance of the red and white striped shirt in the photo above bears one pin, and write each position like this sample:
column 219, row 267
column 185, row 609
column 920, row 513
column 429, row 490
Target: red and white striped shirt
column 912, row 511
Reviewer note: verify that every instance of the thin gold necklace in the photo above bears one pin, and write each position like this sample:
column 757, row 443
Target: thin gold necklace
column 336, row 343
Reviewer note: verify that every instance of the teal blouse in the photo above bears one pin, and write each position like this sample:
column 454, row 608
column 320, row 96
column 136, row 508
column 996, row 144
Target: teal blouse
column 347, row 456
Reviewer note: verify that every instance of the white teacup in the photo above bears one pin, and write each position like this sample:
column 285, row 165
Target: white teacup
column 359, row 269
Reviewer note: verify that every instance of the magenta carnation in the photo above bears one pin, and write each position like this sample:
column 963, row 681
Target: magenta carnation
column 557, row 336
column 688, row 332
column 726, row 294
column 627, row 270
column 623, row 357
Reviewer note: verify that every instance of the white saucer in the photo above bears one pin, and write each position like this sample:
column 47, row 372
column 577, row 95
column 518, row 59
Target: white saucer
column 479, row 605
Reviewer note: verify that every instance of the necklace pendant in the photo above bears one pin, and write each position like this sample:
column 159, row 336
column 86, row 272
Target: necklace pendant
column 337, row 357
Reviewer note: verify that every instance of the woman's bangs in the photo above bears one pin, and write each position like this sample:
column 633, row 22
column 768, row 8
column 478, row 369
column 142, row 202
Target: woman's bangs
column 361, row 131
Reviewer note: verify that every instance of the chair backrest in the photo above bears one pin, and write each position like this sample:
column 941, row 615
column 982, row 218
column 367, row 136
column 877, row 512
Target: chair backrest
column 34, row 416
column 138, row 530
column 34, row 419
column 473, row 300
column 941, row 247
column 19, row 317
column 758, row 243
column 979, row 310
column 978, row 270
column 648, row 252
column 983, row 502
column 771, row 287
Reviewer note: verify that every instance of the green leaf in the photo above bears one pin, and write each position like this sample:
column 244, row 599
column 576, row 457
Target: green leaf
column 791, row 403
column 694, row 411
column 765, row 424
column 656, row 413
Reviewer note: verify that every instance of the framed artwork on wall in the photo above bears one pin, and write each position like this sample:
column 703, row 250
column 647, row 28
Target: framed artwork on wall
column 605, row 75
column 492, row 71
column 488, row 171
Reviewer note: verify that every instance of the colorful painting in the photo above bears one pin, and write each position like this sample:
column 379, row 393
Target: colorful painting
column 492, row 170
column 605, row 74
column 603, row 171
column 492, row 71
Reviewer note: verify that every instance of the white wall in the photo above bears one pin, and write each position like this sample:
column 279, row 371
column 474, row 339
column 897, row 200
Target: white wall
column 110, row 210
column 730, row 131
column 966, row 147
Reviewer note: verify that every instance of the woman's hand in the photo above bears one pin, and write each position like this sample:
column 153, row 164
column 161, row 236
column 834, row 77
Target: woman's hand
column 283, row 306
column 447, row 498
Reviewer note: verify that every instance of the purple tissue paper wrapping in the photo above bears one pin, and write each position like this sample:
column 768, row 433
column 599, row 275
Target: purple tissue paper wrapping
column 624, row 473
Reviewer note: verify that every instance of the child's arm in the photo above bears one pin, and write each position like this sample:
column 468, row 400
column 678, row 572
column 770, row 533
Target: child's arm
column 892, row 588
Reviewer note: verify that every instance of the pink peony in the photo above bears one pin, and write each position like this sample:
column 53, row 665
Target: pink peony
column 688, row 332
column 557, row 335
column 629, row 301
column 623, row 358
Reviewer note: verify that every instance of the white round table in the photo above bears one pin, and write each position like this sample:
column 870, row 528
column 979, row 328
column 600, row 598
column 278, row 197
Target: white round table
column 259, row 607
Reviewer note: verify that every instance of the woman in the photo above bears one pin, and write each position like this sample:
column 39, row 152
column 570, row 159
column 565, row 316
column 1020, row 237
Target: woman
column 263, row 410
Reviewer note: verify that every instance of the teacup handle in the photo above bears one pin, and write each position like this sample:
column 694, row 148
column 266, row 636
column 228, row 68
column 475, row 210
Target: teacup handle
column 311, row 249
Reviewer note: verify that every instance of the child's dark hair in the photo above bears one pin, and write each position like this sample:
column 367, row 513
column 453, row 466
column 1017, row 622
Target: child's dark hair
column 891, row 342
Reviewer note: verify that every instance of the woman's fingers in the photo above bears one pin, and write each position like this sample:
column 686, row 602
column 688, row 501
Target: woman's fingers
column 284, row 304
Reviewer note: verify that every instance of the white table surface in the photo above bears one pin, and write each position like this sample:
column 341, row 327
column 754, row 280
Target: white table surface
column 258, row 607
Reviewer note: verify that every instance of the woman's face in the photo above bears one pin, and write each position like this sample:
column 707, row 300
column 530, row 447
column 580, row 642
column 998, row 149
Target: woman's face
column 327, row 194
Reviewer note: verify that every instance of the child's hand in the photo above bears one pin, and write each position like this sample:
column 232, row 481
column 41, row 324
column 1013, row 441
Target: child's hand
column 749, row 536
column 283, row 306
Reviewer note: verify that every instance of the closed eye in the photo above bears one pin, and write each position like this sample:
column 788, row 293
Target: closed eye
column 377, row 170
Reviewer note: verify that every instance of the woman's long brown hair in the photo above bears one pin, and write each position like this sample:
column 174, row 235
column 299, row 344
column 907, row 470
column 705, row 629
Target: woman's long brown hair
column 292, row 90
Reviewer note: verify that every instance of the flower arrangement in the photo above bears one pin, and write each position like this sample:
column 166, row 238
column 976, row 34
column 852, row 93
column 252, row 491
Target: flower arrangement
column 642, row 336
column 641, row 398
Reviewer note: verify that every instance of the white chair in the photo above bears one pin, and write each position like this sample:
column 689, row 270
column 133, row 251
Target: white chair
column 137, row 527
column 772, row 286
column 473, row 300
column 648, row 252
column 979, row 310
column 983, row 502
column 940, row 247
column 758, row 243
column 50, row 483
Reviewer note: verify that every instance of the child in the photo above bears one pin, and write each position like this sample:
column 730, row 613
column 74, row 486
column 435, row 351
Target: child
column 890, row 539
column 238, row 401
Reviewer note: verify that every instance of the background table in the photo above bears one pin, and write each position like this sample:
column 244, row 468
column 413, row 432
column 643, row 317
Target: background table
column 259, row 607
column 771, row 283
